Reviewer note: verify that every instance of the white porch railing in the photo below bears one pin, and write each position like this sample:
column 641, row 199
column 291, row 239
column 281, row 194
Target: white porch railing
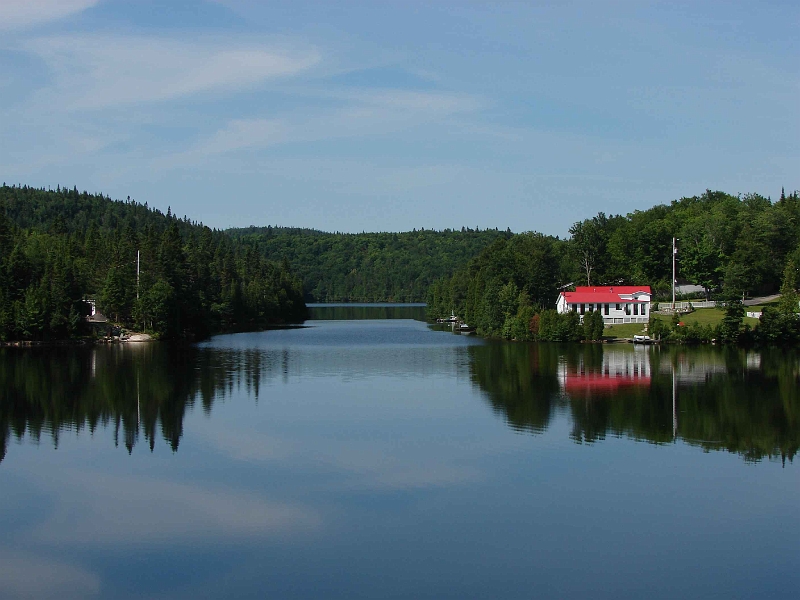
column 622, row 320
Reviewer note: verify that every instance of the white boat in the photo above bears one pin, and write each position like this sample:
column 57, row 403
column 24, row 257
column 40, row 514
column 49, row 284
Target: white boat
column 642, row 339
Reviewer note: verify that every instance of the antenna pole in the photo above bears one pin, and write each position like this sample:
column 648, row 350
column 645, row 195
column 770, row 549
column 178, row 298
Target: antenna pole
column 137, row 274
column 674, row 252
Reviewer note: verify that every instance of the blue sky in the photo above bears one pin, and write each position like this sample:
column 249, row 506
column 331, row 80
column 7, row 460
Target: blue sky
column 390, row 116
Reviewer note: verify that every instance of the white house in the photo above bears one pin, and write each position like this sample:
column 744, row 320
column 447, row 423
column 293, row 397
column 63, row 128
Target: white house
column 617, row 304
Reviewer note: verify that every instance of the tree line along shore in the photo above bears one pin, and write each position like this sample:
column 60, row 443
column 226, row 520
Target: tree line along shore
column 148, row 271
column 731, row 246
column 60, row 248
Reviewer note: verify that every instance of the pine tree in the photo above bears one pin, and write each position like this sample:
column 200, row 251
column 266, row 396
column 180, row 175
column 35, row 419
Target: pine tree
column 788, row 303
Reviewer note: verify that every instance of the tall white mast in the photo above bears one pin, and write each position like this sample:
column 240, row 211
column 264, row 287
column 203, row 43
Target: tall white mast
column 137, row 274
column 674, row 252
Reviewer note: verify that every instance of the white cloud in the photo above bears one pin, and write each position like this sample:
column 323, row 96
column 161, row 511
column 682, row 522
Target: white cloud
column 16, row 14
column 429, row 102
column 90, row 506
column 242, row 133
column 363, row 466
column 27, row 576
column 100, row 71
column 364, row 114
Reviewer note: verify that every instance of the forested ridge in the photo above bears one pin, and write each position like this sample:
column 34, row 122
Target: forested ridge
column 732, row 246
column 58, row 248
column 369, row 267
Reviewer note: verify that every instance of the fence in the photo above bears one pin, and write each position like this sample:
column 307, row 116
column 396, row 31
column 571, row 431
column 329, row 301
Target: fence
column 666, row 308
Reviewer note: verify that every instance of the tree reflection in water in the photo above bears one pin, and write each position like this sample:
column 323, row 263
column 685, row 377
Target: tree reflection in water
column 138, row 389
column 717, row 399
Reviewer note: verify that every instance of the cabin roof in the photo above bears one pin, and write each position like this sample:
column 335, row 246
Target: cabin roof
column 598, row 298
column 605, row 294
column 612, row 289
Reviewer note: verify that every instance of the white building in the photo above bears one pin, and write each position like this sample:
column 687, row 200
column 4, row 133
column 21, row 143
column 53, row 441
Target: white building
column 617, row 304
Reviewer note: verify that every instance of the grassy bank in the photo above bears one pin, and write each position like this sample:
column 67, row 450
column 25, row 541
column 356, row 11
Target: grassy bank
column 702, row 316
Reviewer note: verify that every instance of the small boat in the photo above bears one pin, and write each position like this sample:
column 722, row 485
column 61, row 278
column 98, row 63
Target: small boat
column 466, row 329
column 642, row 339
column 451, row 319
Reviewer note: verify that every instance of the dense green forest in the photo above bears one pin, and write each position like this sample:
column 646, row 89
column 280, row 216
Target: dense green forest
column 58, row 248
column 369, row 267
column 731, row 246
column 727, row 244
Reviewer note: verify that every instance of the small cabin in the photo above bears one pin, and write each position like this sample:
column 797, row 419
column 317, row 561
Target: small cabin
column 617, row 304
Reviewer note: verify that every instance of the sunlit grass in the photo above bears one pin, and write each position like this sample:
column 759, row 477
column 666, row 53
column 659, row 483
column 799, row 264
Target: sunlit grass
column 703, row 316
column 707, row 316
column 624, row 330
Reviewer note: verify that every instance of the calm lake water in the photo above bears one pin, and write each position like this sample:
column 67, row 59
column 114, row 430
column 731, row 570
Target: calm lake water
column 379, row 458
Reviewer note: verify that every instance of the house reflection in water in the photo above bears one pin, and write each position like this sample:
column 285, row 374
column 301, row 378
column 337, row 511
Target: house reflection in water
column 619, row 368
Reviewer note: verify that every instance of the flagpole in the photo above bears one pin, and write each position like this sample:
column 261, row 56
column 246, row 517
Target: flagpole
column 674, row 252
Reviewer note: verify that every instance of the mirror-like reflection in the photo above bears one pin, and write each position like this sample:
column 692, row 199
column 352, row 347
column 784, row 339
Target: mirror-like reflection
column 384, row 459
column 714, row 398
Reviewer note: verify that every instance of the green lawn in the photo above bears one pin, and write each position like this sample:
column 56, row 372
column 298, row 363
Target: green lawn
column 704, row 316
column 625, row 330
column 707, row 316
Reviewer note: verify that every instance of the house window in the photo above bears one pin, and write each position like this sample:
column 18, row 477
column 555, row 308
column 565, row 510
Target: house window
column 606, row 309
column 644, row 306
column 583, row 308
column 619, row 307
column 627, row 309
column 636, row 309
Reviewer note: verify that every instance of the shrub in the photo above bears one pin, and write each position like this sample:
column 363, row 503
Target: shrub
column 555, row 327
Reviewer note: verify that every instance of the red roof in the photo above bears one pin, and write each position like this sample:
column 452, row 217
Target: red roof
column 603, row 294
column 598, row 298
column 576, row 298
column 612, row 289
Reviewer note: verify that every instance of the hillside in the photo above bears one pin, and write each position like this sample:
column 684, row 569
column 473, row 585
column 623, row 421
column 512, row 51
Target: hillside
column 59, row 247
column 733, row 246
column 368, row 267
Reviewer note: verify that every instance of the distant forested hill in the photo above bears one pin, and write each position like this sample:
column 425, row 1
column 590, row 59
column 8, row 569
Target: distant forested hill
column 59, row 247
column 369, row 267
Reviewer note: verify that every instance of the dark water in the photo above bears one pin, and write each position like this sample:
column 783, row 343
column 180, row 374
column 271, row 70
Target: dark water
column 380, row 459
